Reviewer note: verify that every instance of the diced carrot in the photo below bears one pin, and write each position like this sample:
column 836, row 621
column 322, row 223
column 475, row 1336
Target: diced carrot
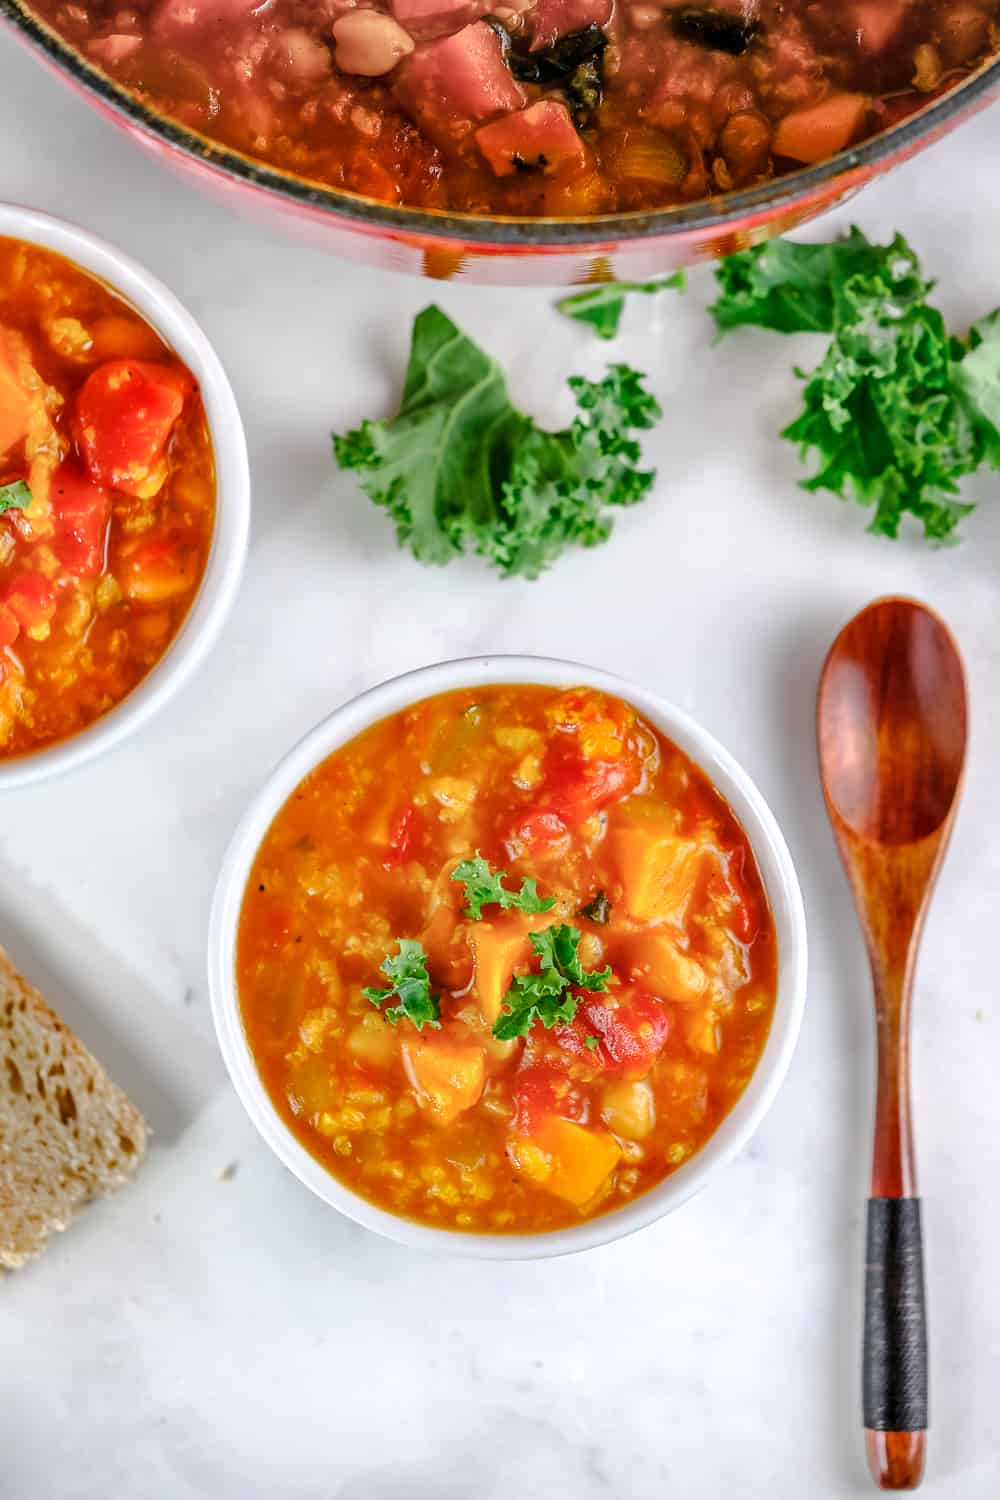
column 447, row 1076
column 567, row 1159
column 814, row 134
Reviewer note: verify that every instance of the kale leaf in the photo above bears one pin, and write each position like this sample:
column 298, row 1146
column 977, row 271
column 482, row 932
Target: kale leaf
column 602, row 306
column 459, row 468
column 548, row 995
column 897, row 411
column 410, row 985
column 483, row 887
column 14, row 496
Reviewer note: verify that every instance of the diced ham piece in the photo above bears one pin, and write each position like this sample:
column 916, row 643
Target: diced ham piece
column 541, row 137
column 555, row 18
column 876, row 22
column 814, row 134
column 429, row 18
column 460, row 79
column 369, row 43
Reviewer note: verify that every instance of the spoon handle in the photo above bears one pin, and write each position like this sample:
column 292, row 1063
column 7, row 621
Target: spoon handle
column 895, row 1344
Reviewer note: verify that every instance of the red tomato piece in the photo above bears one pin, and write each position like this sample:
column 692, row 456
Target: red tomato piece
column 542, row 1090
column 745, row 920
column 402, row 836
column 577, row 788
column 630, row 1035
column 31, row 600
column 125, row 413
column 82, row 511
column 541, row 833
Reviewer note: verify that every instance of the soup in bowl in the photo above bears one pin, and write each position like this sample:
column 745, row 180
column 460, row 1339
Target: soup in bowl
column 505, row 957
column 124, row 494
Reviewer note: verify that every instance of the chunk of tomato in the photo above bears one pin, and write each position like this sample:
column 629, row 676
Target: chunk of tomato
column 81, row 511
column 539, row 835
column 542, row 1090
column 125, row 413
column 629, row 1035
column 31, row 600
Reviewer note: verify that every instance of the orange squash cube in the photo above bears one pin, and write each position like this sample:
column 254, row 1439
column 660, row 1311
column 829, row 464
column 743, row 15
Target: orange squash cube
column 567, row 1159
column 447, row 1076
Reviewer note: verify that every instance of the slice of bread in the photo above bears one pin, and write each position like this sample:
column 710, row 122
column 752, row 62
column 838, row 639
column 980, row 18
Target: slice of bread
column 67, row 1133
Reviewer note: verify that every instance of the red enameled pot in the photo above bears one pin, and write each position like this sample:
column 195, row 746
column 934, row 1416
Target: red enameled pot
column 514, row 251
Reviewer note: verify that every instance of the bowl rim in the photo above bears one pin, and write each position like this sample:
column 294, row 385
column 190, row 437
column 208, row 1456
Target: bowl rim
column 223, row 570
column 777, row 872
column 706, row 215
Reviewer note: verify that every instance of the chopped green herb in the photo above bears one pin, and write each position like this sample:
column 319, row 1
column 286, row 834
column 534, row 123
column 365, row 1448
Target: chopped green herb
column 410, row 985
column 602, row 306
column 597, row 909
column 459, row 468
column 483, row 888
column 547, row 995
column 14, row 496
column 591, row 1042
column 897, row 411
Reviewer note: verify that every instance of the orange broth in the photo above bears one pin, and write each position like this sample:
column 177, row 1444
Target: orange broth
column 455, row 1126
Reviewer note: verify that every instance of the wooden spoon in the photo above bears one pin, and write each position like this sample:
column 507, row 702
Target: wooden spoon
column 891, row 726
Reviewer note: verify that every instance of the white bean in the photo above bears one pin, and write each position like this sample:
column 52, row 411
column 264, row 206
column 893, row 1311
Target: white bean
column 369, row 43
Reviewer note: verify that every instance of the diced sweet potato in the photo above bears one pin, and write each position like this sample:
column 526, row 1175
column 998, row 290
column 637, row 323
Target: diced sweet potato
column 658, row 870
column 811, row 135
column 662, row 968
column 447, row 1076
column 566, row 1159
column 497, row 950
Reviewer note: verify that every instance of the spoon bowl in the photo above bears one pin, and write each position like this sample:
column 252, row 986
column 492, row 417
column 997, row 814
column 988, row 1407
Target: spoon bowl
column 892, row 723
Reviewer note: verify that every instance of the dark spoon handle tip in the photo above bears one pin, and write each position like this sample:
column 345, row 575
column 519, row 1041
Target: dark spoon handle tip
column 895, row 1343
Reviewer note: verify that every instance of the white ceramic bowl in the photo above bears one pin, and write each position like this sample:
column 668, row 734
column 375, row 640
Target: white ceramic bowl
column 780, row 882
column 220, row 583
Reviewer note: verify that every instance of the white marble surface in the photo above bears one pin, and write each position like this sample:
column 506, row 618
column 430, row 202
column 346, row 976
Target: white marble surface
column 236, row 1340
